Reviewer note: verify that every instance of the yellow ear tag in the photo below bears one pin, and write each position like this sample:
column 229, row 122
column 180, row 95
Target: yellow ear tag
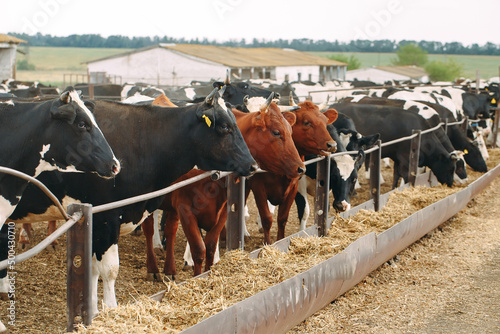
column 207, row 120
column 465, row 151
column 493, row 101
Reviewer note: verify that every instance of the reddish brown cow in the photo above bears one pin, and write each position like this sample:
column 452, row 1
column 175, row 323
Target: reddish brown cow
column 311, row 137
column 203, row 204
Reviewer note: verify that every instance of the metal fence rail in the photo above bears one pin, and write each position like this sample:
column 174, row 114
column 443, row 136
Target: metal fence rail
column 79, row 281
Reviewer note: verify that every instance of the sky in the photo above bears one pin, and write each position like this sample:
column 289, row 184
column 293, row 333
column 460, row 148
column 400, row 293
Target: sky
column 223, row 20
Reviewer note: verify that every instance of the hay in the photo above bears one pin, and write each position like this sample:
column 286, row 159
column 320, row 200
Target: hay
column 237, row 276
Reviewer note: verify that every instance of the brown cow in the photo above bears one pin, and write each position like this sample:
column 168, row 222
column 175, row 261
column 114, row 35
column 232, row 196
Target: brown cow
column 203, row 204
column 310, row 137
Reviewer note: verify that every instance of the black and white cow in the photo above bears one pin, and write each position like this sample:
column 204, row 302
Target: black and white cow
column 60, row 134
column 393, row 123
column 427, row 111
column 343, row 172
column 156, row 145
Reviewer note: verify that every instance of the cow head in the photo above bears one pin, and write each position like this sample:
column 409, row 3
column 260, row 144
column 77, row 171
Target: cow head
column 79, row 144
column 236, row 91
column 443, row 166
column 268, row 134
column 220, row 139
column 343, row 178
column 309, row 131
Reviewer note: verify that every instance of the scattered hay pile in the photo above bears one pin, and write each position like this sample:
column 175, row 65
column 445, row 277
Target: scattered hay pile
column 238, row 277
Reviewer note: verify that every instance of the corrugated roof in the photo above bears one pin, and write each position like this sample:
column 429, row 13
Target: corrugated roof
column 10, row 39
column 243, row 57
column 409, row 71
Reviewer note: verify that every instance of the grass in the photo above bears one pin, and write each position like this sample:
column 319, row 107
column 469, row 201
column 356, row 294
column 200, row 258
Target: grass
column 51, row 63
column 488, row 66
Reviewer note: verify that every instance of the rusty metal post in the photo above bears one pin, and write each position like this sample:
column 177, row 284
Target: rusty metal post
column 321, row 199
column 414, row 156
column 375, row 170
column 79, row 268
column 235, row 232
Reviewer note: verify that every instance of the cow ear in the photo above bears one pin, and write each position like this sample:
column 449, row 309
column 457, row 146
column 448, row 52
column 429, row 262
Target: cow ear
column 332, row 115
column 369, row 141
column 65, row 112
column 290, row 117
column 218, row 84
column 90, row 105
column 206, row 116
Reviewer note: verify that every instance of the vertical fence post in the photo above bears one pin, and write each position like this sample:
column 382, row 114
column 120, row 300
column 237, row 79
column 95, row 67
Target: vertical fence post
column 79, row 268
column 446, row 126
column 235, row 237
column 478, row 78
column 375, row 162
column 321, row 202
column 496, row 123
column 414, row 156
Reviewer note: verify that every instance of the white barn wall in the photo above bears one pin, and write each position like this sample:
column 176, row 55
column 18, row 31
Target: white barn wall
column 7, row 61
column 293, row 73
column 156, row 66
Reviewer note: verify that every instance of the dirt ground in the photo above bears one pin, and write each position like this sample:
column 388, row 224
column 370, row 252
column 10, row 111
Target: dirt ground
column 465, row 253
column 460, row 294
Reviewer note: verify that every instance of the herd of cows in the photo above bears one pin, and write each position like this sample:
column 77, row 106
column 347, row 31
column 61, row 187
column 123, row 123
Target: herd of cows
column 100, row 151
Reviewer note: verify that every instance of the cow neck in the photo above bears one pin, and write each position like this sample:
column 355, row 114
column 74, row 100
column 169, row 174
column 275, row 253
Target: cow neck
column 28, row 121
column 149, row 139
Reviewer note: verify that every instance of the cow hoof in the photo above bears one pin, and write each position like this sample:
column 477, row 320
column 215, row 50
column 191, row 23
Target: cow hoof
column 169, row 278
column 4, row 296
column 154, row 277
column 261, row 230
column 23, row 246
column 187, row 267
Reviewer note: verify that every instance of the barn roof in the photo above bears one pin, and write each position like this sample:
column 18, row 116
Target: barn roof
column 243, row 57
column 411, row 71
column 10, row 39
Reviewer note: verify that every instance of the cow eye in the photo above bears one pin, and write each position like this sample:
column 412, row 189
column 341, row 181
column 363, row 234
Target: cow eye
column 307, row 123
column 82, row 125
column 276, row 133
column 224, row 129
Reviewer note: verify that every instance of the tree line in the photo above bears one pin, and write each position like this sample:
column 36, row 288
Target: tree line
column 302, row 44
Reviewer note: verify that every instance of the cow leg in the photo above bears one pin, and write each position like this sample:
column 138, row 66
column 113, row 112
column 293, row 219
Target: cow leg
column 4, row 252
column 188, row 258
column 266, row 217
column 25, row 236
column 51, row 228
column 284, row 211
column 157, row 245
column 170, row 222
column 302, row 203
column 212, row 238
column 196, row 243
column 108, row 269
column 95, row 284
column 151, row 262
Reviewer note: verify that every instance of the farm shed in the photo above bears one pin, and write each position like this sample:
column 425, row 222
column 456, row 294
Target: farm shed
column 8, row 51
column 179, row 64
column 381, row 74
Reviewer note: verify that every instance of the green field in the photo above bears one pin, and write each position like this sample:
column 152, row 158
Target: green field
column 51, row 63
column 486, row 65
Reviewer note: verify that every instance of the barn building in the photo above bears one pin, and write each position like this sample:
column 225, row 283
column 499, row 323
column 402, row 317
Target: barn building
column 179, row 64
column 381, row 74
column 8, row 52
